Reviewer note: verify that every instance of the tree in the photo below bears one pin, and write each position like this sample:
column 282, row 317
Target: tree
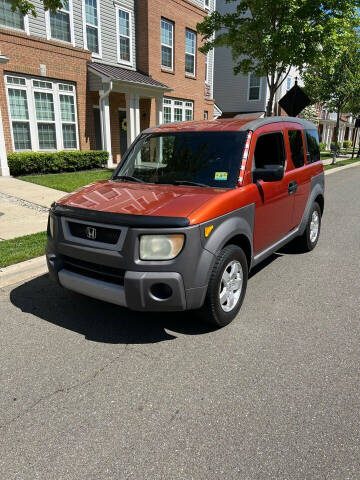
column 268, row 37
column 26, row 7
column 334, row 80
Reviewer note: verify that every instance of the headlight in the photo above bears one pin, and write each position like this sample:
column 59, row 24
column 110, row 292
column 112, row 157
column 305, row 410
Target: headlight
column 51, row 226
column 160, row 247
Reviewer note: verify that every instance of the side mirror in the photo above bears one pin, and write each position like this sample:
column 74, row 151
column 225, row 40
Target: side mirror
column 270, row 173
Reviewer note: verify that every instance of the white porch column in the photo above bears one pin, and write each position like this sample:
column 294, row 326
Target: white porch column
column 159, row 110
column 4, row 168
column 132, row 116
column 106, row 128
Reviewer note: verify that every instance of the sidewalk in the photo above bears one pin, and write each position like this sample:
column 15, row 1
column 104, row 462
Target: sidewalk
column 23, row 207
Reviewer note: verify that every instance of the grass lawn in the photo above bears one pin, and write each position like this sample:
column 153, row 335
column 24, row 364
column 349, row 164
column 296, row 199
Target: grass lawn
column 342, row 163
column 22, row 248
column 69, row 181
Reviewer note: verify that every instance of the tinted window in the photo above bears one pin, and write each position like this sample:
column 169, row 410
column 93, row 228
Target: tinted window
column 296, row 147
column 270, row 150
column 312, row 140
column 210, row 158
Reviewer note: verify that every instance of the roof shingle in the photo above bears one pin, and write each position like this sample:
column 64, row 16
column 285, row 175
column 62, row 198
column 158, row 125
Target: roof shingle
column 126, row 75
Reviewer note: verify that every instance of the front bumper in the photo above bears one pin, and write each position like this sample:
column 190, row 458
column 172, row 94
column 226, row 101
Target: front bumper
column 118, row 276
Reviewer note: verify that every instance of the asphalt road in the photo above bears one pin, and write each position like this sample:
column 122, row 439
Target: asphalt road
column 92, row 391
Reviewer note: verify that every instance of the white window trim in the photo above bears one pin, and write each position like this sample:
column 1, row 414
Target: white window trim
column 94, row 55
column 117, row 9
column 207, row 4
column 48, row 26
column 192, row 54
column 260, row 89
column 182, row 107
column 32, row 120
column 163, row 67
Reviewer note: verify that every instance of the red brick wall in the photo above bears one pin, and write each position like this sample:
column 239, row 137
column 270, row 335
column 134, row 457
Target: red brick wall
column 184, row 15
column 26, row 54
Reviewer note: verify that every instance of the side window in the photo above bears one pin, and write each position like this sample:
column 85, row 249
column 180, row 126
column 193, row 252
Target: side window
column 269, row 150
column 296, row 147
column 312, row 141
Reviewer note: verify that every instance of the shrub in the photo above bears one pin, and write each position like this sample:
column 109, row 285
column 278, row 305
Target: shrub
column 322, row 146
column 332, row 146
column 25, row 163
column 347, row 144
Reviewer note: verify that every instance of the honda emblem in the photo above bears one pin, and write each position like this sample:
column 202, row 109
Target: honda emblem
column 91, row 233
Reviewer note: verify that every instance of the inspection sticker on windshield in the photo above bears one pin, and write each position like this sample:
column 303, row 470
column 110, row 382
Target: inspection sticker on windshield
column 222, row 176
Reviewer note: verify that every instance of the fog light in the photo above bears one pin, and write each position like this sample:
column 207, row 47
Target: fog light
column 161, row 291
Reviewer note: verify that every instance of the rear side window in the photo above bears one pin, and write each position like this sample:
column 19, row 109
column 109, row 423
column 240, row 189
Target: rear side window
column 270, row 150
column 312, row 142
column 296, row 147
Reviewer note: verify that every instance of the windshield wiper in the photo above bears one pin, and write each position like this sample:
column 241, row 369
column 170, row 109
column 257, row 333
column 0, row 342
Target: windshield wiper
column 191, row 184
column 128, row 178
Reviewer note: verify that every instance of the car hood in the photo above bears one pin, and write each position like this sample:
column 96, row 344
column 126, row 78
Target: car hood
column 141, row 199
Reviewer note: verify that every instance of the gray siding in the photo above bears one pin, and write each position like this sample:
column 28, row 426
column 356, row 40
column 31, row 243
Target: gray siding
column 231, row 91
column 108, row 30
column 37, row 27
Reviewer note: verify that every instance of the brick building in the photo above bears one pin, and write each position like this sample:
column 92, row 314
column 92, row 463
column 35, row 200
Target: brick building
column 95, row 74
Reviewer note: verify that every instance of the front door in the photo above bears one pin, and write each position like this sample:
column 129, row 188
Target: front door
column 274, row 207
column 123, row 132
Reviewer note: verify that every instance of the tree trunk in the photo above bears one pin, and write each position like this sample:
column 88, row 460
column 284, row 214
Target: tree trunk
column 338, row 113
column 269, row 107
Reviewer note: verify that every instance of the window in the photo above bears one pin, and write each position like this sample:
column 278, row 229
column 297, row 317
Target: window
column 177, row 110
column 11, row 19
column 207, row 4
column 18, row 106
column 296, row 147
column 167, row 38
column 288, row 83
column 91, row 20
column 124, row 36
column 254, row 87
column 210, row 158
column 269, row 150
column 59, row 25
column 190, row 52
column 206, row 115
column 42, row 113
column 312, row 141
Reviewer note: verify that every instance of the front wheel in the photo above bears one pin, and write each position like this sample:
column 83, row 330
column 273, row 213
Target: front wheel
column 227, row 287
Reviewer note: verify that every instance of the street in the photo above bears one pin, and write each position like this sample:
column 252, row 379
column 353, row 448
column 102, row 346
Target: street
column 92, row 391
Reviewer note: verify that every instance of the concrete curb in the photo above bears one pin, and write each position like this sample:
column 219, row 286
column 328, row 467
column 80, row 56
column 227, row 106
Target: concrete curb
column 37, row 266
column 340, row 169
column 22, row 271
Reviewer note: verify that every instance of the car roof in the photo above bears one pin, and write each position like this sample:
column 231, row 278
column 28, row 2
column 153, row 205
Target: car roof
column 228, row 125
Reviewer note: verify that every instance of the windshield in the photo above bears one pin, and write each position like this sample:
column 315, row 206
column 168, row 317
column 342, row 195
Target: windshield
column 205, row 158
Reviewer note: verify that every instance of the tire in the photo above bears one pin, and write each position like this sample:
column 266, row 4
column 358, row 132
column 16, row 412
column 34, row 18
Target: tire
column 220, row 312
column 310, row 237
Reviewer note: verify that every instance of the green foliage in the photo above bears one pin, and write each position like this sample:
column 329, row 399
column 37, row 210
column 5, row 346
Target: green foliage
column 26, row 7
column 310, row 113
column 322, row 146
column 268, row 37
column 54, row 162
column 347, row 144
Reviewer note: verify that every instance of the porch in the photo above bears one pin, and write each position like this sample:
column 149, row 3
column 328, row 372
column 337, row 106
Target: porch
column 122, row 103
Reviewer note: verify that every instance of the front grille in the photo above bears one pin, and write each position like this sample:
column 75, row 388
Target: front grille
column 94, row 233
column 93, row 270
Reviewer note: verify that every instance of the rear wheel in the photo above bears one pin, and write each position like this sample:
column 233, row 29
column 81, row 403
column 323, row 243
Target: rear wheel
column 310, row 237
column 227, row 287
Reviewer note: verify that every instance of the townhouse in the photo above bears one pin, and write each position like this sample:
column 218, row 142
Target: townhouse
column 98, row 72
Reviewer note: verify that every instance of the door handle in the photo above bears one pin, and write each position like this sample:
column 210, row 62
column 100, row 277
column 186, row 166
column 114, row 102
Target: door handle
column 292, row 187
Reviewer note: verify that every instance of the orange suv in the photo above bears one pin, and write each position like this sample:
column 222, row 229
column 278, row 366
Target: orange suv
column 189, row 211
